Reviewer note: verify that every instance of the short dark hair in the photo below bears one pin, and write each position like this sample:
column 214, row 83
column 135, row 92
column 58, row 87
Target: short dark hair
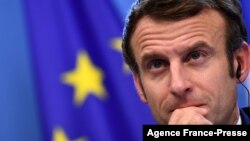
column 174, row 10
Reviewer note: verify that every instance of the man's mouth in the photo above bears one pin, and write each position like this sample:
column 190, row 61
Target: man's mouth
column 186, row 106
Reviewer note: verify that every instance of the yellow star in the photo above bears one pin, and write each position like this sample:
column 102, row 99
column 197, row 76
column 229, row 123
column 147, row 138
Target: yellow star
column 117, row 44
column 59, row 135
column 86, row 79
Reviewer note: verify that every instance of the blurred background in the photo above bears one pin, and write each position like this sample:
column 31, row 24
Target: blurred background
column 62, row 72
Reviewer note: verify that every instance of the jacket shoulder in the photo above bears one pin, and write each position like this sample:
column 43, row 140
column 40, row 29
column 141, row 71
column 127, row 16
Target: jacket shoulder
column 246, row 110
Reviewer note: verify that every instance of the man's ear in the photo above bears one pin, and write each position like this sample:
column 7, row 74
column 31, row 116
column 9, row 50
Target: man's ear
column 139, row 87
column 242, row 57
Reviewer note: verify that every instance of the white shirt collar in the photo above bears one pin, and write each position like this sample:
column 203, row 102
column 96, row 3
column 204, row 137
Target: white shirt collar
column 239, row 122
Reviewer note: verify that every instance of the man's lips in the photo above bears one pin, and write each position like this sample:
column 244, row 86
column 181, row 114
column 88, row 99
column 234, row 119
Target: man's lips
column 180, row 107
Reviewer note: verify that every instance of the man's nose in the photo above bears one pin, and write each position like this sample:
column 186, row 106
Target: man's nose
column 179, row 81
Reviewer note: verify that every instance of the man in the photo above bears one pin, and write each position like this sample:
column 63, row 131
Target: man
column 187, row 57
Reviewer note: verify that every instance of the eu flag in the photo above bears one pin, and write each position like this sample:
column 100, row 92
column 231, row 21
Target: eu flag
column 62, row 68
column 85, row 90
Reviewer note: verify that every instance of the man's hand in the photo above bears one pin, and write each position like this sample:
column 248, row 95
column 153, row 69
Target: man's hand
column 189, row 115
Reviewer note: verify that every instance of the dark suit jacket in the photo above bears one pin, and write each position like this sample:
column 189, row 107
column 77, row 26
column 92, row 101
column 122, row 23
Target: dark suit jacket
column 245, row 115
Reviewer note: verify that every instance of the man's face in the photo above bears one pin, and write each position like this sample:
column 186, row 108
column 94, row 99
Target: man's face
column 184, row 70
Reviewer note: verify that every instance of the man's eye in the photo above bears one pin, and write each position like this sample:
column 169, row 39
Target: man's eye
column 195, row 55
column 156, row 64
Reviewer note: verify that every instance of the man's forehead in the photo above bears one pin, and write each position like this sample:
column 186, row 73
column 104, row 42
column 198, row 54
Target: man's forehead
column 210, row 15
column 210, row 20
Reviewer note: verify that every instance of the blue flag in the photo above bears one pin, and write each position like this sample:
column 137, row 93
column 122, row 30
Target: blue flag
column 19, row 118
column 246, row 15
column 68, row 74
column 85, row 90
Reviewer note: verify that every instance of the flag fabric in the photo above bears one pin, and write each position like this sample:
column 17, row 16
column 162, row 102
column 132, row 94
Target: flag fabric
column 19, row 118
column 85, row 91
column 246, row 15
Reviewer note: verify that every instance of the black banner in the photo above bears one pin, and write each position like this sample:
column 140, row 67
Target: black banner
column 160, row 132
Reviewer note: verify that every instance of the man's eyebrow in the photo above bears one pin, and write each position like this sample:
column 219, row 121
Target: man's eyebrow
column 147, row 56
column 196, row 46
column 152, row 55
column 199, row 45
